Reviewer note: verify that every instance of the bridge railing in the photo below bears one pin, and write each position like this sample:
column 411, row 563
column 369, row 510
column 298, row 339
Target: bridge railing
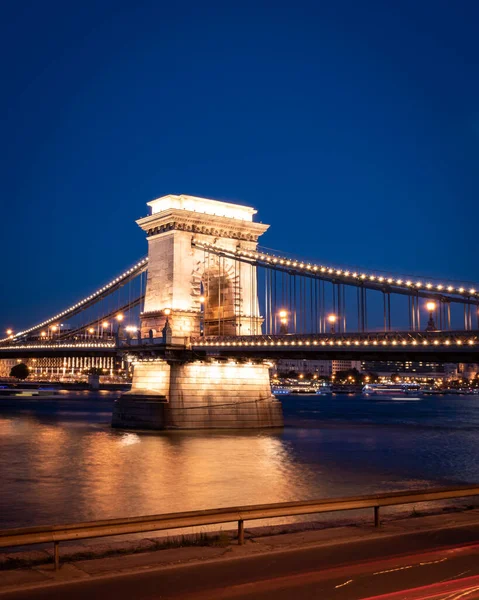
column 240, row 514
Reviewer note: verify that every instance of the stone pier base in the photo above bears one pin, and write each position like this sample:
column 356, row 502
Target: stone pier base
column 198, row 395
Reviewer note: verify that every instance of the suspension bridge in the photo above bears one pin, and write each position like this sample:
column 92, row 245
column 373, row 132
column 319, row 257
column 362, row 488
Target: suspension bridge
column 204, row 312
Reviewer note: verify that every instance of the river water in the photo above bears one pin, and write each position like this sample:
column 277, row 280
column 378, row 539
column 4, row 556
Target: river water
column 61, row 462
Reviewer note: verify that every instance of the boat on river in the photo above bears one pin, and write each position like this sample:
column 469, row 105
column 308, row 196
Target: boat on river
column 8, row 391
column 401, row 390
column 324, row 390
column 280, row 390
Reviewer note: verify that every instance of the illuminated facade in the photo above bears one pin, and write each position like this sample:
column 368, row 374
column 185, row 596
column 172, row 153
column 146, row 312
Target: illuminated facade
column 180, row 276
column 190, row 292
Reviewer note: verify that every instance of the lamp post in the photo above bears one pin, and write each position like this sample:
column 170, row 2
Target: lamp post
column 105, row 326
column 332, row 322
column 283, row 321
column 202, row 315
column 166, row 331
column 431, row 325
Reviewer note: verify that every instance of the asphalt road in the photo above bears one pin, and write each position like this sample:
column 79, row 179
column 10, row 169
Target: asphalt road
column 435, row 566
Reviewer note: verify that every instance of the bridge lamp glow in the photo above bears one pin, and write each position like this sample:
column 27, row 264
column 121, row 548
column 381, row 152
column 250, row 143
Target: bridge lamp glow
column 91, row 330
column 119, row 317
column 9, row 331
column 332, row 321
column 105, row 324
column 202, row 299
column 43, row 334
column 431, row 307
column 167, row 311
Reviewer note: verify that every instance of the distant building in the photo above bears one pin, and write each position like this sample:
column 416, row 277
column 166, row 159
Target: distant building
column 467, row 370
column 6, row 365
column 345, row 365
column 411, row 369
column 321, row 368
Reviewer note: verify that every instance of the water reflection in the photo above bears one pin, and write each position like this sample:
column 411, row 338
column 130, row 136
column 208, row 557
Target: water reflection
column 60, row 461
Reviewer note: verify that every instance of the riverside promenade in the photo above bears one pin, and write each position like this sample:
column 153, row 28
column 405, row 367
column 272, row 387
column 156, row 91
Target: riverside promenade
column 431, row 556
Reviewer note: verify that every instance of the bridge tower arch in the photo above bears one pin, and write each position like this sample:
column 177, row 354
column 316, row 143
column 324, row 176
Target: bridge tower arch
column 191, row 291
column 176, row 223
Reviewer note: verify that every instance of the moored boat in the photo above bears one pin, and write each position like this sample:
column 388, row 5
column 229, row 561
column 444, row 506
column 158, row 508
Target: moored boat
column 392, row 389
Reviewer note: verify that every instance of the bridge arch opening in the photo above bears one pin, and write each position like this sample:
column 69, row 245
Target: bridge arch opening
column 219, row 314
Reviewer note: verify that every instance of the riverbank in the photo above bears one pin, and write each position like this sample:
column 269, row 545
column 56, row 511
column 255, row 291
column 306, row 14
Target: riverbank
column 86, row 562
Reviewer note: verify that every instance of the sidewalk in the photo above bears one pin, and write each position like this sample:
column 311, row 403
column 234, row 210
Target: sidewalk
column 86, row 562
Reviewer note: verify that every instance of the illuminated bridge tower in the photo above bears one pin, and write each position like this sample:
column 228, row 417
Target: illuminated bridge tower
column 191, row 292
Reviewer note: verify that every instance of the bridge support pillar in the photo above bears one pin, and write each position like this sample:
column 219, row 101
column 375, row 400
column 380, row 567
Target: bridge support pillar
column 192, row 291
column 199, row 395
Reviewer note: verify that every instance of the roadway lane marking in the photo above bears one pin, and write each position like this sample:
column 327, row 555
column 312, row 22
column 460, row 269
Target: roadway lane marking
column 343, row 584
column 396, row 569
column 421, row 564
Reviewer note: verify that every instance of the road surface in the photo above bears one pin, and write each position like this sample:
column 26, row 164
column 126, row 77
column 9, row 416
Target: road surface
column 440, row 565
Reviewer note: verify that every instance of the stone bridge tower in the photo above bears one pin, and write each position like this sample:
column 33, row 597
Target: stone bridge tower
column 191, row 292
column 180, row 275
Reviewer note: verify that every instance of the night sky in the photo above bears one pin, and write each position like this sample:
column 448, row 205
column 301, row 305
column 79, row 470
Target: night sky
column 353, row 128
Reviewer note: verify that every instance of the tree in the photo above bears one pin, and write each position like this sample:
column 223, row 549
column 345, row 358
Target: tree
column 348, row 376
column 20, row 371
column 370, row 377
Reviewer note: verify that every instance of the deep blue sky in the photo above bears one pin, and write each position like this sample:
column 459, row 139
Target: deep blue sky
column 353, row 128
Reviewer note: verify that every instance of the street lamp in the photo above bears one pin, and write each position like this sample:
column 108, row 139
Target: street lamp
column 202, row 315
column 431, row 325
column 283, row 320
column 119, row 317
column 332, row 322
column 9, row 331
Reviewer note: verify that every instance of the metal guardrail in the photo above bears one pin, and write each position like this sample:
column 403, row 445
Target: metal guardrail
column 76, row 531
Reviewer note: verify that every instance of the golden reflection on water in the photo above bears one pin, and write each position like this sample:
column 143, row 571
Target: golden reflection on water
column 71, row 473
column 127, row 474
